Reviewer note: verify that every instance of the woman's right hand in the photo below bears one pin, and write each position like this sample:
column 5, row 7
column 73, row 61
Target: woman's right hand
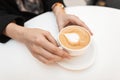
column 43, row 46
column 40, row 42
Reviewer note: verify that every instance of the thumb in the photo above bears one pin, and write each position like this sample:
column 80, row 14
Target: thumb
column 50, row 38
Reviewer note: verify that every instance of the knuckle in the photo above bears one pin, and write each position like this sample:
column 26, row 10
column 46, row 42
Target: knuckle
column 47, row 33
column 33, row 54
column 49, row 62
column 38, row 40
column 51, row 58
column 55, row 50
column 32, row 47
column 58, row 52
column 58, row 58
column 54, row 58
column 46, row 62
column 35, row 50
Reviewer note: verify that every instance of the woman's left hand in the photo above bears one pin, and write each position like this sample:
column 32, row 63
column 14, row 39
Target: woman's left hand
column 67, row 19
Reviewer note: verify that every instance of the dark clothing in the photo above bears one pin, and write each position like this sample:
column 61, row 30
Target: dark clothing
column 113, row 3
column 33, row 6
column 9, row 12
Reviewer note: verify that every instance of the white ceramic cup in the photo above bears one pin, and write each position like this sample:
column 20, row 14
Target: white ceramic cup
column 75, row 52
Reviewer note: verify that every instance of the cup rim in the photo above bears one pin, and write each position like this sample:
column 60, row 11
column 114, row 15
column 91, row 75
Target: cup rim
column 74, row 49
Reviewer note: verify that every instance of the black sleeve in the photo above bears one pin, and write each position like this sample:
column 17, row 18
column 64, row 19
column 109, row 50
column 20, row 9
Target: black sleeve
column 93, row 2
column 8, row 14
column 48, row 4
column 6, row 17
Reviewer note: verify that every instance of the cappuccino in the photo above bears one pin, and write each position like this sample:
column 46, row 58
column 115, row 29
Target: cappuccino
column 74, row 37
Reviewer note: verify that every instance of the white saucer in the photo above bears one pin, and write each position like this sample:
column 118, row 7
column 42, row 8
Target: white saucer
column 80, row 62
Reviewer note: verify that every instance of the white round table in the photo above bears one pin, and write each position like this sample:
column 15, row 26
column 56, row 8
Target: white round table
column 17, row 63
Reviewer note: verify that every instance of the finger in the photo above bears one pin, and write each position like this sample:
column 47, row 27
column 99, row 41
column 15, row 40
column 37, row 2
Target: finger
column 36, row 49
column 49, row 56
column 42, row 59
column 50, row 38
column 77, row 21
column 55, row 50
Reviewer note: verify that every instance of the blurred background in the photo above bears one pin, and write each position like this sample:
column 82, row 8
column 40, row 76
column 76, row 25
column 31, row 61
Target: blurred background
column 108, row 3
column 75, row 2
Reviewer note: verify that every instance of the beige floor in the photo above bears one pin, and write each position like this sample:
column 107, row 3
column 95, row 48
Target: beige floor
column 74, row 2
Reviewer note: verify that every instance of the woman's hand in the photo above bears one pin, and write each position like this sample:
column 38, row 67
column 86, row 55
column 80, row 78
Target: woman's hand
column 43, row 46
column 64, row 19
column 67, row 19
column 40, row 42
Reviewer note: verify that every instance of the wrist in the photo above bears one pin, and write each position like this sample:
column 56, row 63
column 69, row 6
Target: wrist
column 58, row 8
column 14, row 31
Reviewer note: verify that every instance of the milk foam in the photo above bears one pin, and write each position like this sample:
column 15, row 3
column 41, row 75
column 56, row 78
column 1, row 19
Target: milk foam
column 72, row 37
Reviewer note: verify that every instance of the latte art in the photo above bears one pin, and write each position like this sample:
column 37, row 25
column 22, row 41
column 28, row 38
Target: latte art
column 74, row 37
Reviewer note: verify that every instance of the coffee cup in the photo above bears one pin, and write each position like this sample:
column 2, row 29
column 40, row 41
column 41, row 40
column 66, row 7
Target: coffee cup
column 74, row 39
